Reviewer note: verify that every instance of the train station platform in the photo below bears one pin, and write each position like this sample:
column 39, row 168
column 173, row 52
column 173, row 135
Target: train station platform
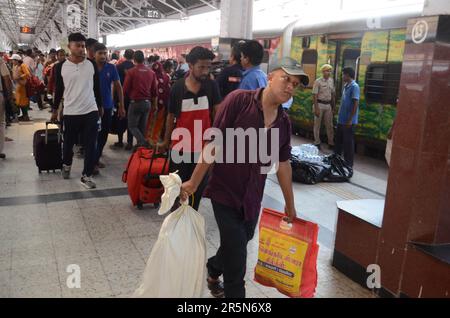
column 47, row 224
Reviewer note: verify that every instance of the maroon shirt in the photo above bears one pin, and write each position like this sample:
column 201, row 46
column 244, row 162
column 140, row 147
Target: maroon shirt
column 140, row 83
column 241, row 186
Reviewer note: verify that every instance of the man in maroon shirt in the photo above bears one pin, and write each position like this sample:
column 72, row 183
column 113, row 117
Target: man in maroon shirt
column 141, row 88
column 236, row 189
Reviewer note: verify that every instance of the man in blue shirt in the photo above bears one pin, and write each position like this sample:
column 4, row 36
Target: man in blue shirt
column 252, row 54
column 122, row 69
column 109, row 77
column 348, row 116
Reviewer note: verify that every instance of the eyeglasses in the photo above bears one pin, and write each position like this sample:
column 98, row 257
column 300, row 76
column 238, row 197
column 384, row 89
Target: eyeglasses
column 287, row 80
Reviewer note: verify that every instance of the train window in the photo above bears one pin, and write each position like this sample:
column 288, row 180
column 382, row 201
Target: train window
column 309, row 63
column 350, row 58
column 382, row 82
column 306, row 42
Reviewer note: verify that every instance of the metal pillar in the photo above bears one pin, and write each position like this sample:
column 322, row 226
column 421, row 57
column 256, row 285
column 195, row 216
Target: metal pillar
column 92, row 19
column 63, row 42
column 236, row 19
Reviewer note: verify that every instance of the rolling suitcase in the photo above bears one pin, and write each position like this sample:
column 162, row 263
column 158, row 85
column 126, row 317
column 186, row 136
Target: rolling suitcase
column 47, row 149
column 142, row 173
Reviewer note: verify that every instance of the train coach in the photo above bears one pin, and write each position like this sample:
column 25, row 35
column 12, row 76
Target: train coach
column 372, row 43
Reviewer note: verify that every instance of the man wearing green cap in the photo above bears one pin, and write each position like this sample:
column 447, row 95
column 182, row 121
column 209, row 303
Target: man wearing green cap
column 324, row 103
column 236, row 189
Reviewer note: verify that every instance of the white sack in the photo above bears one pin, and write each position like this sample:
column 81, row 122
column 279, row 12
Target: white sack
column 176, row 266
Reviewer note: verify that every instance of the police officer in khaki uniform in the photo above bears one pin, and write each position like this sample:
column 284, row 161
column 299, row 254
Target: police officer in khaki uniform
column 324, row 104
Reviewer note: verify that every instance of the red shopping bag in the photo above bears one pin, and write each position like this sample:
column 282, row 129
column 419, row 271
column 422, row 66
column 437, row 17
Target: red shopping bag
column 287, row 257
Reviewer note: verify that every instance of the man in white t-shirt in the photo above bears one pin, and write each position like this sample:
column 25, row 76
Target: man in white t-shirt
column 77, row 80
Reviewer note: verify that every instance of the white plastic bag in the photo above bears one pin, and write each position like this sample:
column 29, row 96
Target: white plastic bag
column 176, row 266
column 172, row 187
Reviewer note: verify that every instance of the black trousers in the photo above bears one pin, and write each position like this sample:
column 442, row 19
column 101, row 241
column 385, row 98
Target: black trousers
column 185, row 170
column 123, row 125
column 87, row 127
column 345, row 141
column 231, row 257
column 104, row 133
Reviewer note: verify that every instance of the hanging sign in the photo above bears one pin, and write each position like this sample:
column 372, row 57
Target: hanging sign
column 152, row 13
column 73, row 16
column 27, row 30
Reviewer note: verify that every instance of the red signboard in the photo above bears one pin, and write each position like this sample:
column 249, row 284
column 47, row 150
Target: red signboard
column 27, row 30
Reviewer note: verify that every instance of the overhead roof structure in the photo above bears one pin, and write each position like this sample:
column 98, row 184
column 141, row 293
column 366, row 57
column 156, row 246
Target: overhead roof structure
column 46, row 17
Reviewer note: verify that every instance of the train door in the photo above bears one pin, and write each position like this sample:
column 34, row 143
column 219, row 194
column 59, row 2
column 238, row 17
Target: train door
column 348, row 52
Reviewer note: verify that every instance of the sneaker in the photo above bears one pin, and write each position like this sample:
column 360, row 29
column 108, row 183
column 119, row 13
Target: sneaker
column 216, row 287
column 26, row 118
column 129, row 147
column 66, row 172
column 117, row 145
column 87, row 182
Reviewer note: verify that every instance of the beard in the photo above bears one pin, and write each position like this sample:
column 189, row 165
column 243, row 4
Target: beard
column 202, row 78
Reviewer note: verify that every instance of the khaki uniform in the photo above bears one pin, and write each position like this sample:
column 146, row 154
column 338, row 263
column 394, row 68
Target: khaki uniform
column 324, row 89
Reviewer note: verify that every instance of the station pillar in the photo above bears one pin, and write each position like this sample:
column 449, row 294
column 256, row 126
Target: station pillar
column 236, row 19
column 417, row 208
column 92, row 19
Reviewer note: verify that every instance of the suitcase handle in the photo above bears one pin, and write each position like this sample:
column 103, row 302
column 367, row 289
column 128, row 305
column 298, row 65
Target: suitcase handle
column 57, row 123
column 155, row 155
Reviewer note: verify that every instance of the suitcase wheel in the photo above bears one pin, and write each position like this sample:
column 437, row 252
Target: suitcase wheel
column 140, row 206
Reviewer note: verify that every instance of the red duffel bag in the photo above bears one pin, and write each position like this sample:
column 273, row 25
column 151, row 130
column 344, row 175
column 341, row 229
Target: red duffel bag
column 142, row 173
column 287, row 257
column 34, row 86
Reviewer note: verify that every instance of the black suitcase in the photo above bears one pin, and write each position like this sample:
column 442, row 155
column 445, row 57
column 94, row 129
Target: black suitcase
column 47, row 149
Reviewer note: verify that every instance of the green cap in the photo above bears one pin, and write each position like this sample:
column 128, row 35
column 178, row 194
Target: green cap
column 292, row 67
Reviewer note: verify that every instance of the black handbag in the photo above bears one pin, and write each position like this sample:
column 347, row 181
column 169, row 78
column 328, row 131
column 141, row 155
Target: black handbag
column 118, row 125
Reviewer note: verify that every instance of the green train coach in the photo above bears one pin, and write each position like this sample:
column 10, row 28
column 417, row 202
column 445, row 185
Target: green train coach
column 374, row 47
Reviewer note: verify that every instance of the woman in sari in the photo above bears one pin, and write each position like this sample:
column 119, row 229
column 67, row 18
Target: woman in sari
column 157, row 118
column 21, row 75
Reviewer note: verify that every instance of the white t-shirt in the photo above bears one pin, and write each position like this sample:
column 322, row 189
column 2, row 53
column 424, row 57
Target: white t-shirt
column 79, row 97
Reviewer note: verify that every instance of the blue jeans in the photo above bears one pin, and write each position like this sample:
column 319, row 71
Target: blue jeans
column 137, row 120
column 103, row 134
